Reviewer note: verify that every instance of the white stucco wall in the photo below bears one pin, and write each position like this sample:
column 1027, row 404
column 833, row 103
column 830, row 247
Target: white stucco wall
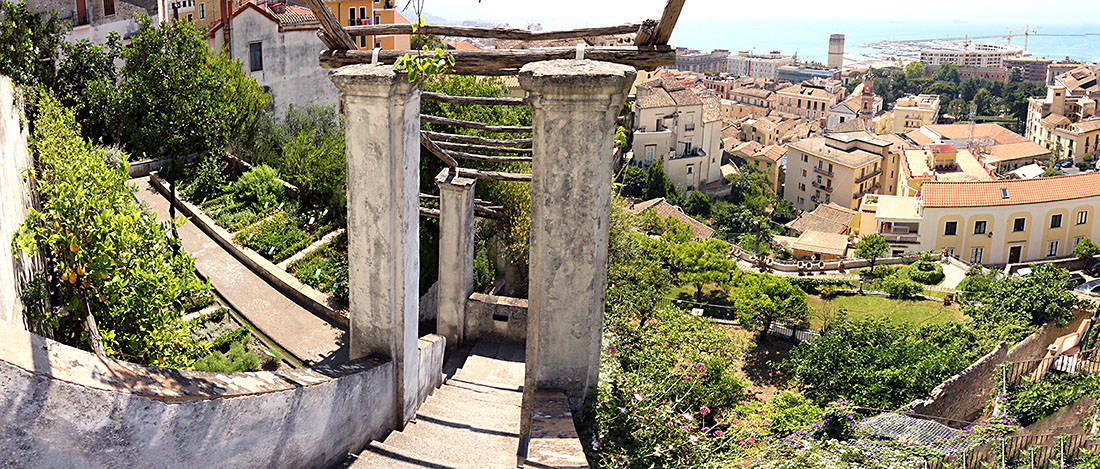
column 290, row 66
column 15, row 198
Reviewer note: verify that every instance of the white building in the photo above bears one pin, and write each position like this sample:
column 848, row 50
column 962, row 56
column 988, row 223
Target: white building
column 676, row 127
column 969, row 54
column 94, row 20
column 279, row 47
column 745, row 64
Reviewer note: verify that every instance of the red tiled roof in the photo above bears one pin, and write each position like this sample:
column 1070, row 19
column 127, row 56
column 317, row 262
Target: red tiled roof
column 665, row 210
column 1019, row 191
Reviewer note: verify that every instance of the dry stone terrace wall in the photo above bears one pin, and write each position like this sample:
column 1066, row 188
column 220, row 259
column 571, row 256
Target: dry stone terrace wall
column 963, row 397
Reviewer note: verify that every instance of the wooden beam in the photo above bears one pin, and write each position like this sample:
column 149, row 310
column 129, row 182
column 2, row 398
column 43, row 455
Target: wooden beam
column 488, row 148
column 646, row 33
column 437, row 136
column 492, row 61
column 446, row 98
column 485, row 158
column 484, row 203
column 429, row 212
column 480, row 211
column 336, row 34
column 668, row 21
column 472, row 125
column 438, row 152
column 494, row 175
column 493, row 33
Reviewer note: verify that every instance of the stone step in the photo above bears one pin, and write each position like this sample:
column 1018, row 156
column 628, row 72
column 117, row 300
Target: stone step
column 501, row 397
column 504, row 422
column 381, row 455
column 492, row 372
column 462, row 402
column 456, row 453
column 504, row 393
column 426, row 427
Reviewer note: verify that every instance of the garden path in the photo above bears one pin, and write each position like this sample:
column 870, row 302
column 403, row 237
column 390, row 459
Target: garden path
column 308, row 337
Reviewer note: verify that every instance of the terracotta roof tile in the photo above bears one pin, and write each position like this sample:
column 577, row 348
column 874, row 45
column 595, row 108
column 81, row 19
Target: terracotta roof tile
column 1014, row 151
column 1019, row 191
column 664, row 209
column 962, row 131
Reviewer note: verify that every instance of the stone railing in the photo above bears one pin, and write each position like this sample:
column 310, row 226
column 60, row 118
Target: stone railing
column 821, row 266
column 65, row 407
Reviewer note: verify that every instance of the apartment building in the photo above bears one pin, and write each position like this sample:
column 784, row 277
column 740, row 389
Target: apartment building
column 990, row 222
column 94, row 20
column 676, row 127
column 691, row 60
column 855, row 113
column 776, row 129
column 1067, row 119
column 913, row 112
column 969, row 54
column 767, row 159
column 811, row 99
column 798, row 73
column 996, row 148
column 839, row 168
column 766, row 66
column 1031, row 68
column 210, row 16
column 760, row 99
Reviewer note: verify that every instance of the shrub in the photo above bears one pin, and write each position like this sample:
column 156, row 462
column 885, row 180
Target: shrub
column 1086, row 249
column 1030, row 402
column 924, row 271
column 826, row 291
column 900, row 287
column 259, row 187
column 484, row 272
column 881, row 272
column 316, row 165
column 209, row 179
column 813, row 284
column 787, row 412
column 238, row 359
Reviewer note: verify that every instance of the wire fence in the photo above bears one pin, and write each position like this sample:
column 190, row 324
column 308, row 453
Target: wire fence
column 1083, row 362
column 1032, row 451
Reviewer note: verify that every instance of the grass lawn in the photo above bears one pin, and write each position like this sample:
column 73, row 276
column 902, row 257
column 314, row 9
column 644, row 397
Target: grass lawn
column 915, row 312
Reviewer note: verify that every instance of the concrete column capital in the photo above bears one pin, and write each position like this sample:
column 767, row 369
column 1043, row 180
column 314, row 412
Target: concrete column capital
column 367, row 81
column 575, row 80
column 453, row 182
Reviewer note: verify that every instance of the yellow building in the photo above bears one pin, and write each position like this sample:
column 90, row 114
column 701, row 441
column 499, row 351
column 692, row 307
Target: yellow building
column 941, row 162
column 914, row 112
column 811, row 99
column 208, row 17
column 839, row 168
column 766, row 159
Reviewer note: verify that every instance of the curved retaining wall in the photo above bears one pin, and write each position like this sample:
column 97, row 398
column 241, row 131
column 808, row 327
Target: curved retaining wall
column 63, row 407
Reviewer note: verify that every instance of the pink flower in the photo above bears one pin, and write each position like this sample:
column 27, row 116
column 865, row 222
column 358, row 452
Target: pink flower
column 684, row 428
column 612, row 349
column 704, row 410
column 719, row 433
column 701, row 366
column 705, row 429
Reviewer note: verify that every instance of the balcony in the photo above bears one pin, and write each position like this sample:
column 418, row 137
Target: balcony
column 869, row 176
column 818, row 200
column 911, row 238
column 822, row 171
column 822, row 186
column 870, row 190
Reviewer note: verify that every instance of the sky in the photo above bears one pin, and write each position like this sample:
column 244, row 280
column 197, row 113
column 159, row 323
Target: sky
column 575, row 13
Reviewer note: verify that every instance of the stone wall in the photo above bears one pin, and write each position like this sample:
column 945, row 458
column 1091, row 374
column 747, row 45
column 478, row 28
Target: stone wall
column 1074, row 419
column 15, row 198
column 63, row 407
column 963, row 397
column 497, row 317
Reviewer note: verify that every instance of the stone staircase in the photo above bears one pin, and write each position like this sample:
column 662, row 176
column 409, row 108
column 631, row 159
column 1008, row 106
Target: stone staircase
column 472, row 421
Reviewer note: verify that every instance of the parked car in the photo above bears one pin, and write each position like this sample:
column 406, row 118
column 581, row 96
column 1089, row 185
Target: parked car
column 1065, row 164
column 1076, row 280
column 1094, row 270
column 1092, row 286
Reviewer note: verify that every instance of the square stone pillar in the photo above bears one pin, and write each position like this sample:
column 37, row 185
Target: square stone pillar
column 382, row 111
column 574, row 106
column 456, row 254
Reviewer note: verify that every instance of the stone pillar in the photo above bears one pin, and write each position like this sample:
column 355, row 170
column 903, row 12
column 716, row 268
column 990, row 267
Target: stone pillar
column 574, row 106
column 382, row 111
column 456, row 254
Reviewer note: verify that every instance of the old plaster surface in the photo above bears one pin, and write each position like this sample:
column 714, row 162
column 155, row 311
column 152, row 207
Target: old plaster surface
column 63, row 407
column 15, row 199
column 456, row 254
column 382, row 112
column 574, row 104
column 308, row 337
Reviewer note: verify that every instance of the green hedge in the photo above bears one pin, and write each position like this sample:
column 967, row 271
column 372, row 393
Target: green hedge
column 274, row 237
column 926, row 272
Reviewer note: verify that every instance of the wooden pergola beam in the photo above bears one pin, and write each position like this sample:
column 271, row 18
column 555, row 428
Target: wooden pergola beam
column 668, row 21
column 337, row 38
column 494, row 61
column 487, row 101
column 486, row 158
column 473, row 125
column 438, row 152
column 490, row 33
column 494, row 175
column 438, row 137
column 486, row 148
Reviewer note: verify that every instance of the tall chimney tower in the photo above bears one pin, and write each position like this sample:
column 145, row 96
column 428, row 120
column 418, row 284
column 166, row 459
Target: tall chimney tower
column 836, row 51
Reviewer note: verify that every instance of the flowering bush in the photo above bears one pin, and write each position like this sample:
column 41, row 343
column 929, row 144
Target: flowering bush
column 838, row 421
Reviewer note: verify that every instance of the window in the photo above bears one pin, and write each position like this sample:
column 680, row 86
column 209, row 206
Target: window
column 202, row 11
column 976, row 255
column 803, row 173
column 1082, row 217
column 256, row 56
column 351, row 16
column 649, row 150
column 1018, row 225
column 108, row 7
column 689, row 168
column 801, row 201
column 805, row 158
column 377, row 20
column 950, row 228
column 801, row 186
column 1056, row 221
column 979, row 227
column 1052, row 248
column 690, row 125
column 362, row 13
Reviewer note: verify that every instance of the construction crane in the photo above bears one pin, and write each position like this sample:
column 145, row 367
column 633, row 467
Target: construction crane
column 1026, row 32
